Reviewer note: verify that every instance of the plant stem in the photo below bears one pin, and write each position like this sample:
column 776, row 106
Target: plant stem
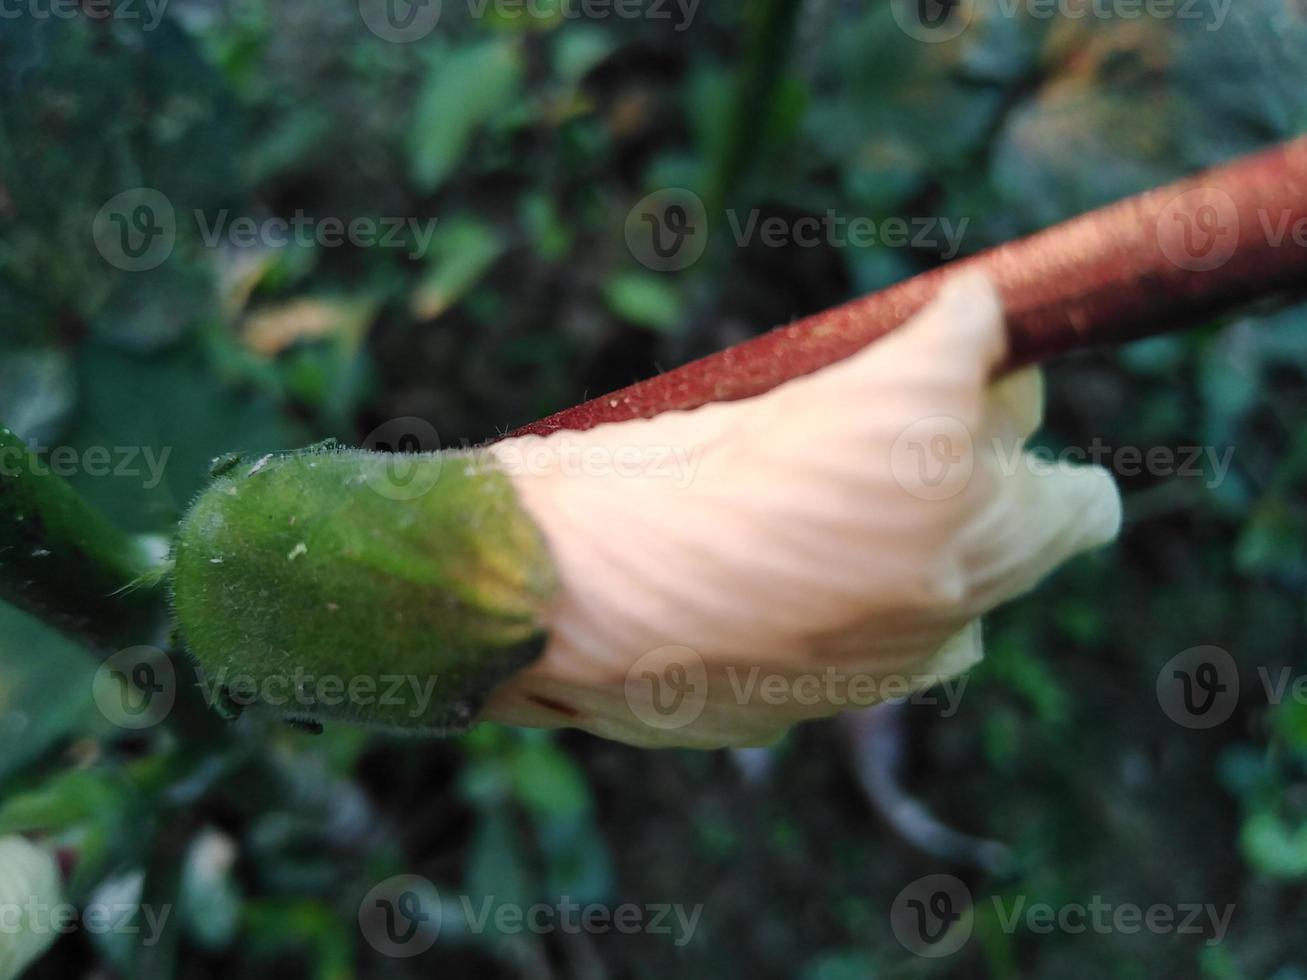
column 62, row 561
column 1146, row 265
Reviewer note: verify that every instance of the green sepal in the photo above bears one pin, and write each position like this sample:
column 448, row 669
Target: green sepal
column 385, row 589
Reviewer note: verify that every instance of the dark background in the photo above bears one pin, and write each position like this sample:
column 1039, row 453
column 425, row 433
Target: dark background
column 530, row 139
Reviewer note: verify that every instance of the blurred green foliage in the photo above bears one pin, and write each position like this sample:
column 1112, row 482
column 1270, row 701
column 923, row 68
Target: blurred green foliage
column 529, row 140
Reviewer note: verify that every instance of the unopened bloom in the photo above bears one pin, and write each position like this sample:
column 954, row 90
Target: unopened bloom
column 854, row 523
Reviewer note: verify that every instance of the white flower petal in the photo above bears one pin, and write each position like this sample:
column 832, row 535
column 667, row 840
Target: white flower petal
column 856, row 520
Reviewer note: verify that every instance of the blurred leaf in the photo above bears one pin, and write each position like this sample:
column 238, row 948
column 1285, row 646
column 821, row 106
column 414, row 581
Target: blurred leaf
column 548, row 782
column 464, row 88
column 645, row 299
column 45, row 689
column 36, row 391
column 210, row 898
column 462, row 252
column 1274, row 848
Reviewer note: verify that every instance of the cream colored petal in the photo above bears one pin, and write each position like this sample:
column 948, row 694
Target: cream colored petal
column 856, row 520
column 29, row 889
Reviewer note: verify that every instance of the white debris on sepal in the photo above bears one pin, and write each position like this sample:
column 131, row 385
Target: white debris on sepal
column 857, row 520
column 30, row 890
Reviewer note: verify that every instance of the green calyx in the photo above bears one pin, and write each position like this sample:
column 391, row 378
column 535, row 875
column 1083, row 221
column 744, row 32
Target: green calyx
column 385, row 589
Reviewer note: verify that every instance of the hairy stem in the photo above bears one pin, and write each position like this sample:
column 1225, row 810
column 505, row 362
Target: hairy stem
column 62, row 561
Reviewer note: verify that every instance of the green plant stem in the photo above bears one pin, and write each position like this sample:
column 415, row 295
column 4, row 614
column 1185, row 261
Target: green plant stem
column 63, row 562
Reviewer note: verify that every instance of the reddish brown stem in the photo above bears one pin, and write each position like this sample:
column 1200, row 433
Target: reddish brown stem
column 1150, row 264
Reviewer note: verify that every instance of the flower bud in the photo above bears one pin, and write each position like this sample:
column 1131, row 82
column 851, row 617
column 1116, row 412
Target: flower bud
column 393, row 590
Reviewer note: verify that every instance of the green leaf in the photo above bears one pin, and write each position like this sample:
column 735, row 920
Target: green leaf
column 462, row 252
column 45, row 689
column 548, row 782
column 463, row 90
column 1273, row 847
column 646, row 300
